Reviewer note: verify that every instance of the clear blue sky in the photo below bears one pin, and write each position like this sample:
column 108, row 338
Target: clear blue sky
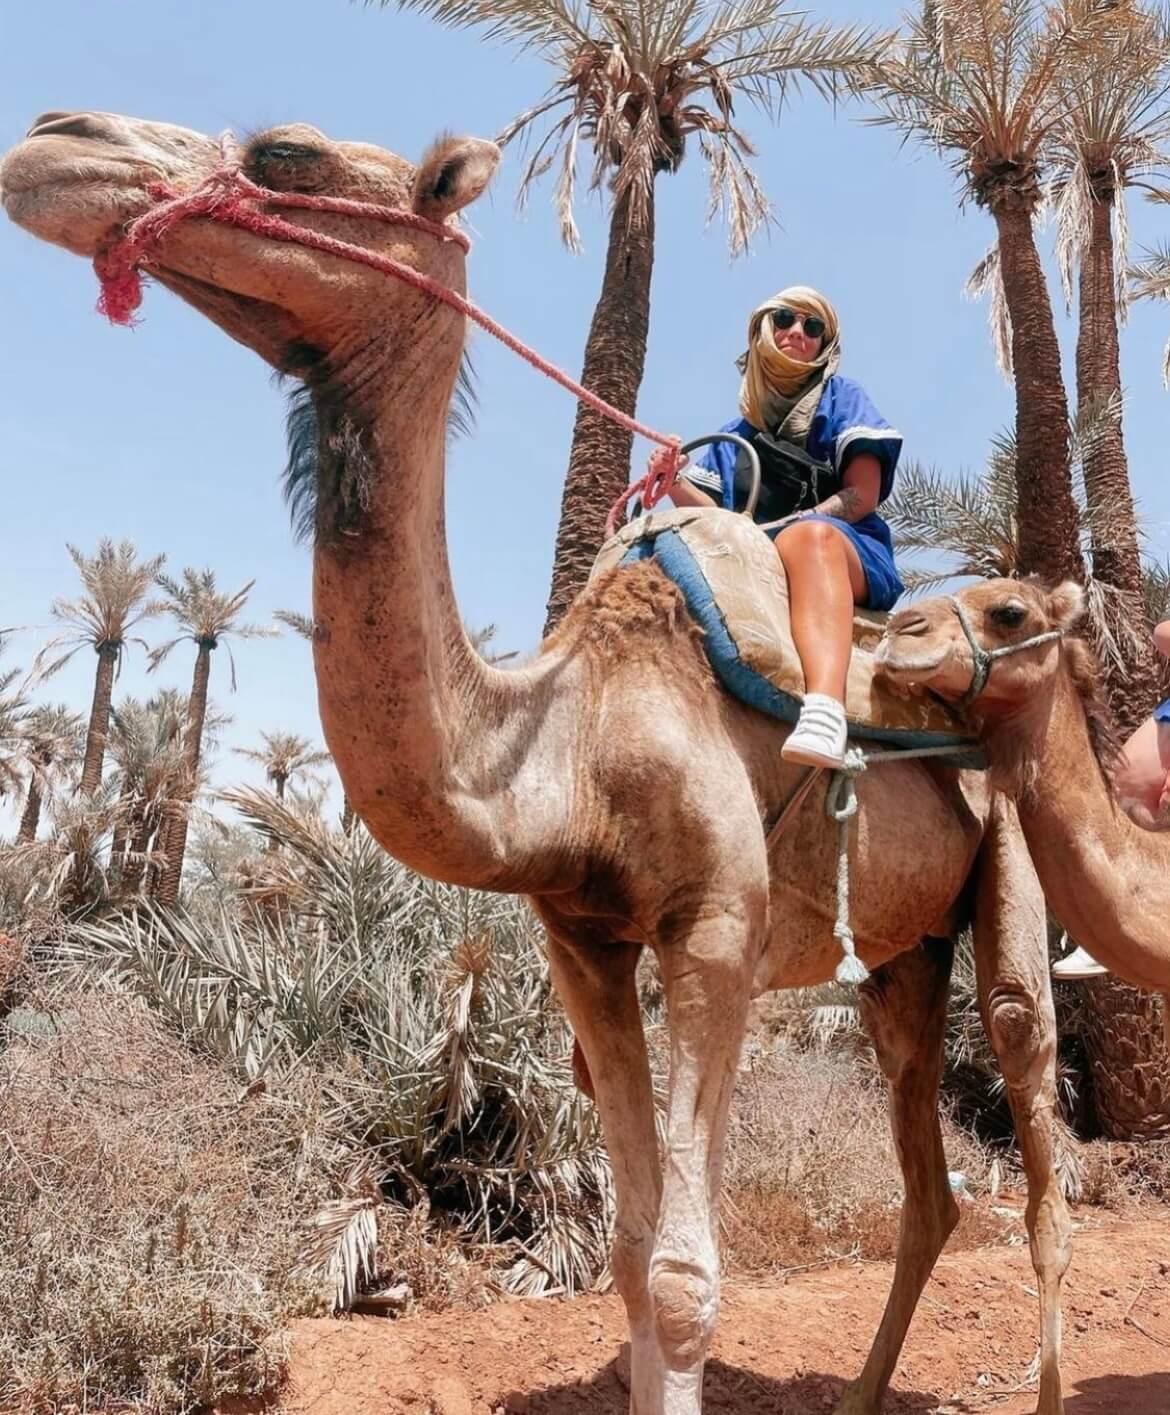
column 173, row 436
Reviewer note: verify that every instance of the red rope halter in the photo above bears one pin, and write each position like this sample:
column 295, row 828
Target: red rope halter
column 228, row 196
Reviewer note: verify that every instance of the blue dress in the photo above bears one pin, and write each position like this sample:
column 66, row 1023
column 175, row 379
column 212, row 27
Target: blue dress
column 844, row 424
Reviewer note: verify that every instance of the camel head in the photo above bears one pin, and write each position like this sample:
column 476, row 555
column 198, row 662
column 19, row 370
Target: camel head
column 1017, row 624
column 998, row 649
column 78, row 179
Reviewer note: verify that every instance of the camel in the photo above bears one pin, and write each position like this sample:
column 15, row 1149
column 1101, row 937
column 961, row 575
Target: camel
column 610, row 780
column 1106, row 878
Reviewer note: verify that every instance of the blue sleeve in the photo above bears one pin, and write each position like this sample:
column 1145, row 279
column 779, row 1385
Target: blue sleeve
column 712, row 469
column 847, row 423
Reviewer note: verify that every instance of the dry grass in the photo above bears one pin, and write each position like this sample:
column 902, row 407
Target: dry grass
column 149, row 1212
column 811, row 1174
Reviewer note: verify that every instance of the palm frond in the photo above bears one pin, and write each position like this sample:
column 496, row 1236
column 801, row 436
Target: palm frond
column 635, row 79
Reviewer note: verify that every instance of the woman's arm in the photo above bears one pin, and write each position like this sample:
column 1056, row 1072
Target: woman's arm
column 860, row 490
column 685, row 493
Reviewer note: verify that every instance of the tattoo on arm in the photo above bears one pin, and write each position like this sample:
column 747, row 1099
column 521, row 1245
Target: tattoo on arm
column 849, row 504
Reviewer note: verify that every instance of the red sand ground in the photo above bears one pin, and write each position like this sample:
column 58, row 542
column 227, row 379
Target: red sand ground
column 783, row 1348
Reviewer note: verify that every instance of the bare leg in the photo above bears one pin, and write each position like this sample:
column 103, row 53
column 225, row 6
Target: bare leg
column 596, row 984
column 904, row 1005
column 1015, row 999
column 707, row 966
column 825, row 581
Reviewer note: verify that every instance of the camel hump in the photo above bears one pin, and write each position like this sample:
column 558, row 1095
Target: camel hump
column 736, row 590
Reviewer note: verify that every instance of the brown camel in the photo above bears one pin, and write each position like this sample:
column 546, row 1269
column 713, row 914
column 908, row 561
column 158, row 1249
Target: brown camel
column 1106, row 879
column 610, row 780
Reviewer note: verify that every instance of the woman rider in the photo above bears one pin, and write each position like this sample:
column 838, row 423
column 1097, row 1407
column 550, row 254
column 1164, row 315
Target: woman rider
column 828, row 459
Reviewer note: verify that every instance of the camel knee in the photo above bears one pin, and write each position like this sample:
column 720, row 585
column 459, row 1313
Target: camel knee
column 686, row 1304
column 1023, row 1038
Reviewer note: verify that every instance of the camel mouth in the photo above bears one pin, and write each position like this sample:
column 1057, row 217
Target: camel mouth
column 908, row 668
column 74, row 188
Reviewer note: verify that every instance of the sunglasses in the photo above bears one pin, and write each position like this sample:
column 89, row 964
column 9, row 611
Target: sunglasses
column 812, row 324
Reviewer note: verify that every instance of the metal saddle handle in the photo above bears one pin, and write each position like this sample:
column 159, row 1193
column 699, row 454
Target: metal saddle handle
column 740, row 442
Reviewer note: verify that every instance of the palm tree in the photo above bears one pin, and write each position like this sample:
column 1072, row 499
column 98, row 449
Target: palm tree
column 969, row 525
column 116, row 585
column 984, row 82
column 67, row 866
column 53, row 743
column 302, row 624
column 146, row 743
column 207, row 616
column 1150, row 280
column 283, row 756
column 13, row 711
column 1112, row 135
column 634, row 79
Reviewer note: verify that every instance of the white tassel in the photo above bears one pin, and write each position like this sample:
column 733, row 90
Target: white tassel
column 841, row 806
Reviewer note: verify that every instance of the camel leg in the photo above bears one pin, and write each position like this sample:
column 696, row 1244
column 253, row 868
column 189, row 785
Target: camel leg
column 1015, row 1000
column 707, row 968
column 904, row 1006
column 596, row 983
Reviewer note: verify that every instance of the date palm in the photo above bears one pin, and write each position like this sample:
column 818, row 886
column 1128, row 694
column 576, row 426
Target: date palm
column 633, row 80
column 1113, row 135
column 302, row 624
column 13, row 711
column 117, row 597
column 146, row 744
column 208, row 617
column 52, row 742
column 1150, row 280
column 984, row 82
column 283, row 756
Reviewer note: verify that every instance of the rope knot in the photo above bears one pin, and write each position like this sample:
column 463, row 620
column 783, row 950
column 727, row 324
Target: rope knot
column 662, row 469
column 662, row 472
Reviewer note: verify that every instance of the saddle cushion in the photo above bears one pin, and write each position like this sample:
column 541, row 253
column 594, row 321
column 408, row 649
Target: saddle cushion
column 735, row 587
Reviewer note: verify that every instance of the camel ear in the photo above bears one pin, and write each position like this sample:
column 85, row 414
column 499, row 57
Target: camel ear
column 453, row 173
column 1066, row 604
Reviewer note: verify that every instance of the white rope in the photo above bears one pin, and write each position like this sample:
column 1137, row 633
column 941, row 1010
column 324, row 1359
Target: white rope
column 841, row 806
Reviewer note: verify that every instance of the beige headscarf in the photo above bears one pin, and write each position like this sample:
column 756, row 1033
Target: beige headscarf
column 779, row 391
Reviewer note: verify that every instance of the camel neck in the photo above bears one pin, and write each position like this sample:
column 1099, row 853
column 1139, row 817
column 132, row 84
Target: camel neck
column 1106, row 879
column 430, row 741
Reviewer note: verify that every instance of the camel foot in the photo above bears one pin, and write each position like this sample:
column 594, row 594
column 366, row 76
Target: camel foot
column 855, row 1401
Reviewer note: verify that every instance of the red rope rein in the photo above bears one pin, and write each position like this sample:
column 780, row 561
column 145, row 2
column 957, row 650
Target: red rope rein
column 228, row 196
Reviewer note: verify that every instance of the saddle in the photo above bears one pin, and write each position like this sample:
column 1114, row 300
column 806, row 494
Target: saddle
column 735, row 588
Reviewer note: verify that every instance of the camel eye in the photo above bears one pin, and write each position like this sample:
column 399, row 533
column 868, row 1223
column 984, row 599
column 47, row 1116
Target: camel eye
column 1008, row 616
column 287, row 165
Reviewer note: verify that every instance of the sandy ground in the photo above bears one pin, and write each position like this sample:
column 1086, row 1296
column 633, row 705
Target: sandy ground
column 783, row 1347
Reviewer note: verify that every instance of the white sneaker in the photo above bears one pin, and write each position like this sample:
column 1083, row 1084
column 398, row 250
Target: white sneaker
column 820, row 735
column 1076, row 965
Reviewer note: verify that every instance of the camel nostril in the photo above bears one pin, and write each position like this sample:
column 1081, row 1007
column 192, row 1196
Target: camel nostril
column 70, row 125
column 912, row 625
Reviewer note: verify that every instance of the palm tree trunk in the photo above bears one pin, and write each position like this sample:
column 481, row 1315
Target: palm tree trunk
column 347, row 815
column 30, row 817
column 99, row 720
column 1112, row 520
column 175, row 833
column 135, row 867
column 615, row 357
column 1124, row 1041
column 1049, row 543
